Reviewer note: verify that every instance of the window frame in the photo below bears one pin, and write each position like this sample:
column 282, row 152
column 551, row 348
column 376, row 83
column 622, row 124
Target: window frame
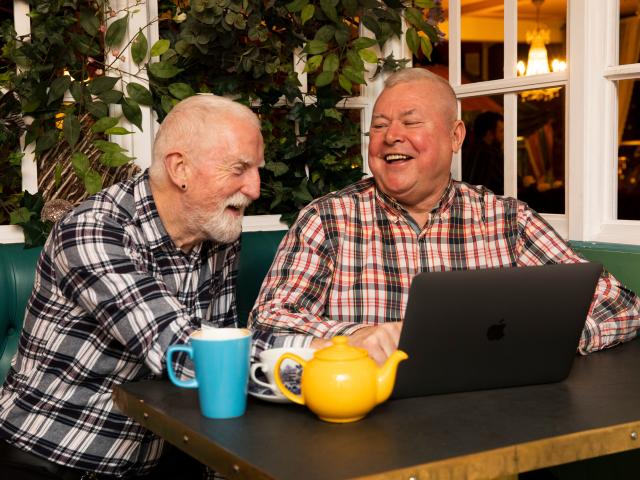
column 591, row 105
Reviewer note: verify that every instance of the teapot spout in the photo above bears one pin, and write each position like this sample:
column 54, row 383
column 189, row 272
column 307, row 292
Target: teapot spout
column 387, row 375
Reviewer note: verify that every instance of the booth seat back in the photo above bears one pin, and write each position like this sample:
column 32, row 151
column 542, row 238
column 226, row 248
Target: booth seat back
column 17, row 271
column 18, row 266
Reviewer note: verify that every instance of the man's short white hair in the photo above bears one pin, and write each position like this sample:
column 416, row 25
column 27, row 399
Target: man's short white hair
column 193, row 123
column 416, row 74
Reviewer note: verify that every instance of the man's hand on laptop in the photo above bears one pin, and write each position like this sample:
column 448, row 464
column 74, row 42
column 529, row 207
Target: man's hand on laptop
column 380, row 340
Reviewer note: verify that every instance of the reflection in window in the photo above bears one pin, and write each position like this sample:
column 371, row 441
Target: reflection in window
column 629, row 150
column 541, row 151
column 482, row 151
column 629, row 32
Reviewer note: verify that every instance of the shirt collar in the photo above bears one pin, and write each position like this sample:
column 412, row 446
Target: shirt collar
column 396, row 209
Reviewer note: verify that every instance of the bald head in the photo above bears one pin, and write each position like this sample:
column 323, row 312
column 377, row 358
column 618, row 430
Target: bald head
column 196, row 123
column 428, row 80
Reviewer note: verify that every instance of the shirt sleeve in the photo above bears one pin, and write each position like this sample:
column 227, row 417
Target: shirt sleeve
column 98, row 267
column 614, row 314
column 290, row 309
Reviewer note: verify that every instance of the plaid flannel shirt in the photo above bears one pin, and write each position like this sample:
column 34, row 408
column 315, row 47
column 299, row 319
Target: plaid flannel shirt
column 349, row 260
column 111, row 292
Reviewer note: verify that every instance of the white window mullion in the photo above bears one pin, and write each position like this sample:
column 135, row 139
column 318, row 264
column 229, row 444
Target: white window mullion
column 510, row 108
column 140, row 143
column 455, row 69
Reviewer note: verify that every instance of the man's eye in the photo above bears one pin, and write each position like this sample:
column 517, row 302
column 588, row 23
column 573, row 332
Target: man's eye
column 378, row 126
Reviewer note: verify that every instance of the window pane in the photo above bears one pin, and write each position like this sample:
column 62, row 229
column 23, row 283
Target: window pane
column 541, row 149
column 482, row 151
column 629, row 32
column 629, row 150
column 482, row 34
column 542, row 28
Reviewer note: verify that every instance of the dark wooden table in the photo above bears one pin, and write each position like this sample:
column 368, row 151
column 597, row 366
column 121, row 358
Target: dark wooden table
column 487, row 434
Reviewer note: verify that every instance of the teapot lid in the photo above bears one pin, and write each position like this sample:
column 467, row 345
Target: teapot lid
column 340, row 351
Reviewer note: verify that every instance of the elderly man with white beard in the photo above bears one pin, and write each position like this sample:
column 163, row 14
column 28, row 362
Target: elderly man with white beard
column 135, row 268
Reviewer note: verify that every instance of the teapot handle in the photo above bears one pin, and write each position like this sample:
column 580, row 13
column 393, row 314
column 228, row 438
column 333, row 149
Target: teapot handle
column 276, row 376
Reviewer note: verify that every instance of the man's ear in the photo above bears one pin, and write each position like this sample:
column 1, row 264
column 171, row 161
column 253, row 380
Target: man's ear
column 457, row 135
column 175, row 164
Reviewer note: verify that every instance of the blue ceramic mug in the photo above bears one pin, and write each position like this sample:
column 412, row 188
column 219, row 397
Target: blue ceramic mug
column 221, row 359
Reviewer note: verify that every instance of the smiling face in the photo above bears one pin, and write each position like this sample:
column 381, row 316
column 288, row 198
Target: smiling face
column 224, row 181
column 413, row 136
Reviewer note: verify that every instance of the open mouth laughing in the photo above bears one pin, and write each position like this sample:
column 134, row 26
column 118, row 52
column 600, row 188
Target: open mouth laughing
column 396, row 157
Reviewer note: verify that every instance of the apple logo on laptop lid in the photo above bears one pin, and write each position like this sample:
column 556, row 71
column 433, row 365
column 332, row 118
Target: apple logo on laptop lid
column 496, row 331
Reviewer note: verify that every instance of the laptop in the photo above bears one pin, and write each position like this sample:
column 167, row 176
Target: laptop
column 491, row 328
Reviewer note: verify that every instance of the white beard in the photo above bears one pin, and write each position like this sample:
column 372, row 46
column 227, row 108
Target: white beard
column 222, row 226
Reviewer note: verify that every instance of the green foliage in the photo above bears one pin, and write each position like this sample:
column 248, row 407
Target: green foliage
column 242, row 48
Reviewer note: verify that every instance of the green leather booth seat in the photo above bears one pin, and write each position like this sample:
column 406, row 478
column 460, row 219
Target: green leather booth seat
column 17, row 271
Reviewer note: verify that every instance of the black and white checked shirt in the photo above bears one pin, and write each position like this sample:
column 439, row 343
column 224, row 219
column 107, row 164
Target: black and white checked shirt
column 111, row 292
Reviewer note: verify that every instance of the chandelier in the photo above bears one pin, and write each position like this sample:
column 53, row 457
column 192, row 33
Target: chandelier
column 538, row 60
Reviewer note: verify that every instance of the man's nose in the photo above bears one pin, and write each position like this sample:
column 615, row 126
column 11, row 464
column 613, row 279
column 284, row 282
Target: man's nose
column 394, row 133
column 251, row 187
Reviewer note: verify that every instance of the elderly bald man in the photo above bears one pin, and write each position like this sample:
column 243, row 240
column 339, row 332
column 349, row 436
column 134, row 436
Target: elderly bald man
column 133, row 269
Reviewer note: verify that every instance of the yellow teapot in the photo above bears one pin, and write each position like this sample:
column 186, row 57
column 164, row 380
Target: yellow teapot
column 341, row 383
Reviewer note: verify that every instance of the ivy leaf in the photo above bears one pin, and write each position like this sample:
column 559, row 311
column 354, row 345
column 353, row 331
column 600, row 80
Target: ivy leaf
column 46, row 141
column 324, row 78
column 181, row 90
column 368, row 56
column 89, row 22
column 117, row 131
column 345, row 83
column 333, row 113
column 92, row 182
column 30, row 104
column 363, row 42
column 102, row 84
column 415, row 18
column 325, row 33
column 329, row 9
column 80, row 163
column 76, row 91
column 139, row 93
column 164, row 70
column 313, row 63
column 132, row 112
column 114, row 159
column 372, row 24
column 342, row 36
column 58, row 87
column 307, row 13
column 58, row 175
column 424, row 3
column 106, row 146
column 71, row 129
column 315, row 47
column 354, row 76
column 115, row 32
column 166, row 103
column 331, row 63
column 413, row 40
column 350, row 6
column 278, row 168
column 112, row 96
column 98, row 109
column 104, row 123
column 139, row 48
column 426, row 47
column 296, row 5
column 20, row 215
column 160, row 47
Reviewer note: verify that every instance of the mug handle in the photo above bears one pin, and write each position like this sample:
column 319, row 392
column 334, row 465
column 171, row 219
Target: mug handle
column 299, row 399
column 193, row 383
column 255, row 379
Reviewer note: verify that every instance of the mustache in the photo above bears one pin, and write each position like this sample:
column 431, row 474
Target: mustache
column 237, row 200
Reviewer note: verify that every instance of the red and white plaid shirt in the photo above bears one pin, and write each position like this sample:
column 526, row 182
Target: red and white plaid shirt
column 349, row 260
